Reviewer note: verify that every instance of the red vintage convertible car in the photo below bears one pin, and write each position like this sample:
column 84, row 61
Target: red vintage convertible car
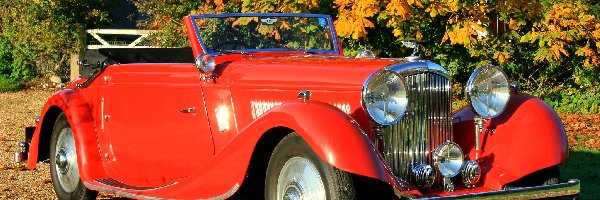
column 267, row 106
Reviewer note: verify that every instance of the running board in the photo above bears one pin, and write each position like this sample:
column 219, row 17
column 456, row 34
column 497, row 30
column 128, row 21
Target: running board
column 114, row 183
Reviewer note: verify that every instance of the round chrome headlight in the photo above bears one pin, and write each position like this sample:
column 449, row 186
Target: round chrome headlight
column 384, row 97
column 488, row 91
column 448, row 158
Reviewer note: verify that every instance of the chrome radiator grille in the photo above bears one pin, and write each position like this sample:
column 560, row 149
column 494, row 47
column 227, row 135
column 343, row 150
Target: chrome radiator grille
column 426, row 125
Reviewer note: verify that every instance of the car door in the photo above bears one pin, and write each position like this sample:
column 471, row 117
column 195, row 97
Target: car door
column 155, row 128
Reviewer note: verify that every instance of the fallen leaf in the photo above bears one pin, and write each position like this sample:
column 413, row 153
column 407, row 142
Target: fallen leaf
column 6, row 148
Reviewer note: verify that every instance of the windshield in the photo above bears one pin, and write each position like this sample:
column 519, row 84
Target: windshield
column 265, row 32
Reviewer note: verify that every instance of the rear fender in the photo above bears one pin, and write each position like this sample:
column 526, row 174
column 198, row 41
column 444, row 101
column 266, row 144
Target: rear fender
column 77, row 111
column 528, row 136
column 332, row 134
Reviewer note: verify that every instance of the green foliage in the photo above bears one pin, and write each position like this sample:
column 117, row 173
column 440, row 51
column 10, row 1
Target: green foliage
column 7, row 84
column 41, row 34
column 574, row 100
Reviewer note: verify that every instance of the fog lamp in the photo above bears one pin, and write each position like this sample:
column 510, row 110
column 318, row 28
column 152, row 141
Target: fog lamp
column 471, row 173
column 423, row 175
column 448, row 159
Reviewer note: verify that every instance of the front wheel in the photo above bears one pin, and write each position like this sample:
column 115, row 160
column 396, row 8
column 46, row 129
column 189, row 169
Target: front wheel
column 63, row 163
column 295, row 172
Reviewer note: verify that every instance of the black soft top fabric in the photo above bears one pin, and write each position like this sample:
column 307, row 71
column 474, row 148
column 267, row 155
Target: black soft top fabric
column 139, row 55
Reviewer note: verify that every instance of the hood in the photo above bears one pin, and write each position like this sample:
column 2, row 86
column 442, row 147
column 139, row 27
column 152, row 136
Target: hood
column 306, row 71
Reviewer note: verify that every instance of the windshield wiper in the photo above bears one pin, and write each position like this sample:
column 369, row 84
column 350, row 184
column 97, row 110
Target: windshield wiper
column 305, row 51
column 230, row 51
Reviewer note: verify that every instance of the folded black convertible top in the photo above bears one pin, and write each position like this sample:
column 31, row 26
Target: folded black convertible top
column 139, row 55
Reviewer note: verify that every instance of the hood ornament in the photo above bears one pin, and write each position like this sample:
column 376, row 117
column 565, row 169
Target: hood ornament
column 412, row 45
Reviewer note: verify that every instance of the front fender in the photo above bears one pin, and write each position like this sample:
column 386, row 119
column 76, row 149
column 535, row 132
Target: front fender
column 77, row 111
column 332, row 134
column 528, row 136
column 335, row 137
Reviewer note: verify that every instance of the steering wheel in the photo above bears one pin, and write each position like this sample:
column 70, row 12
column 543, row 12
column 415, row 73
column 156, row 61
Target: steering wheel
column 231, row 45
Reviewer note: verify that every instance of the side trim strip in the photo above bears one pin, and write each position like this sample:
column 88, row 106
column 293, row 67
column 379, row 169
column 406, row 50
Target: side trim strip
column 136, row 196
column 228, row 193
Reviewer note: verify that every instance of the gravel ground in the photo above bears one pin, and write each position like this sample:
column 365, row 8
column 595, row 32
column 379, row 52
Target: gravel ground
column 17, row 111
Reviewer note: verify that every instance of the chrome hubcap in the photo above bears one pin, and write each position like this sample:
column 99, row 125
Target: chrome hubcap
column 300, row 179
column 66, row 161
column 293, row 192
column 61, row 161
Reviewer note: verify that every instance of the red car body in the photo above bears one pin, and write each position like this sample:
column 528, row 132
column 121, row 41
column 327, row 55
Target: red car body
column 155, row 130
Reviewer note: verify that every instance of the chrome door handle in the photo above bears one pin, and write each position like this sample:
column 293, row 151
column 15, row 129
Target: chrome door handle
column 189, row 110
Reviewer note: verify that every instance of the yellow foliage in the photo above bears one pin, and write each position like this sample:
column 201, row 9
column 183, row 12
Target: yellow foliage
column 285, row 6
column 349, row 24
column 502, row 57
column 352, row 18
column 564, row 23
column 419, row 36
column 591, row 59
column 471, row 24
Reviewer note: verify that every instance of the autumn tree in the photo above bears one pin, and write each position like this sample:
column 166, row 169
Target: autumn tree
column 36, row 37
column 546, row 45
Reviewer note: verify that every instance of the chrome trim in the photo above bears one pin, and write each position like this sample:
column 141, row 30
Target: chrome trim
column 304, row 95
column 479, row 122
column 365, row 53
column 447, row 184
column 189, row 110
column 116, row 184
column 427, row 123
column 471, row 173
column 127, row 194
column 205, row 63
column 37, row 119
column 424, row 175
column 225, row 195
column 102, row 114
column 515, row 87
column 570, row 188
column 260, row 107
column 418, row 67
column 19, row 156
